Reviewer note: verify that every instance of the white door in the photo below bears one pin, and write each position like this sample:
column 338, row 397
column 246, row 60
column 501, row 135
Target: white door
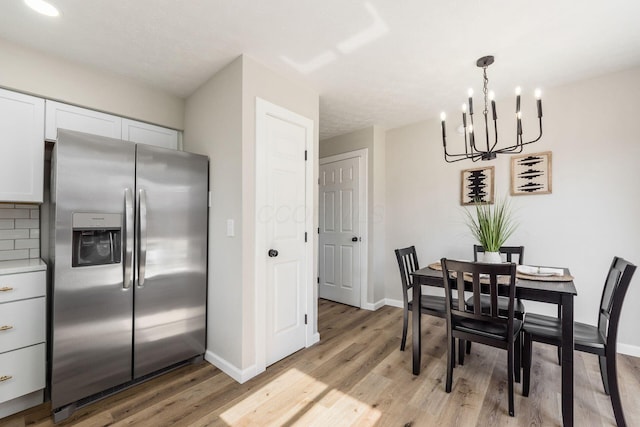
column 285, row 217
column 340, row 237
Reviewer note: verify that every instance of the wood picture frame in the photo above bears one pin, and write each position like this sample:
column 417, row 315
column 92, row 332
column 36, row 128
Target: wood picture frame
column 531, row 174
column 477, row 185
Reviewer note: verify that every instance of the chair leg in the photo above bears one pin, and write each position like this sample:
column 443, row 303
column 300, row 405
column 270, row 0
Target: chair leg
column 510, row 357
column 451, row 356
column 603, row 373
column 526, row 363
column 405, row 323
column 612, row 376
column 461, row 346
column 468, row 347
column 518, row 357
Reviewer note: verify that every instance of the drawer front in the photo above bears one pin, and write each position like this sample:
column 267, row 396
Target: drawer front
column 22, row 323
column 19, row 286
column 21, row 372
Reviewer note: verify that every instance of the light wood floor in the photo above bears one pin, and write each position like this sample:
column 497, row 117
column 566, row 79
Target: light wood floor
column 357, row 376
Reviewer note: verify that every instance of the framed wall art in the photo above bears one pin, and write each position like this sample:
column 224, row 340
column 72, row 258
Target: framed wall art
column 531, row 174
column 477, row 185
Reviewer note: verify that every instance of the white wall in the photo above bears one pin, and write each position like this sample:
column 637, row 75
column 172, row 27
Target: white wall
column 213, row 127
column 37, row 73
column 372, row 139
column 592, row 214
column 220, row 122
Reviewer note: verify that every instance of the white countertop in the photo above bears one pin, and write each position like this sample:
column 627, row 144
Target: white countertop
column 22, row 266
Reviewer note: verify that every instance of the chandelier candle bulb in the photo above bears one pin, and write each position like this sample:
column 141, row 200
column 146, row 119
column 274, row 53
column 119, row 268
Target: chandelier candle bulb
column 518, row 91
column 492, row 97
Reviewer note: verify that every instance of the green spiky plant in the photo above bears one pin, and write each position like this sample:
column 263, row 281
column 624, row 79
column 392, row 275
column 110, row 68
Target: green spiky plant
column 492, row 224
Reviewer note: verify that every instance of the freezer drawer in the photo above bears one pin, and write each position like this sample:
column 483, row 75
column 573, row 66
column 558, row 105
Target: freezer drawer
column 22, row 323
column 19, row 286
column 21, row 372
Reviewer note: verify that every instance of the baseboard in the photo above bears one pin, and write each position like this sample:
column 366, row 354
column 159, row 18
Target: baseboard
column 373, row 307
column 630, row 350
column 315, row 338
column 394, row 302
column 240, row 375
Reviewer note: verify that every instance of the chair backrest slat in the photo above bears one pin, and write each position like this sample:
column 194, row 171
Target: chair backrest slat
column 509, row 252
column 615, row 289
column 407, row 263
column 479, row 278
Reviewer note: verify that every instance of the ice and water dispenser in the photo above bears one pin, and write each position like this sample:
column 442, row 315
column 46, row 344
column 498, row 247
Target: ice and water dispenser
column 96, row 239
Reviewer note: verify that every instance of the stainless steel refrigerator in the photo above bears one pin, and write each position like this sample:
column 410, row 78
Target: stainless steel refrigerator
column 129, row 256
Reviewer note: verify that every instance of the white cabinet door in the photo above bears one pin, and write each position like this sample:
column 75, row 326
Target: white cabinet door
column 21, row 147
column 65, row 116
column 149, row 134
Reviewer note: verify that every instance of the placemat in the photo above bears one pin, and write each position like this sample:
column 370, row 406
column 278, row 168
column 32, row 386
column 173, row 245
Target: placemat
column 566, row 278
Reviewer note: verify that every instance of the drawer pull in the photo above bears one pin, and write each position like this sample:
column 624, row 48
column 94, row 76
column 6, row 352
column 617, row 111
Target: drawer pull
column 5, row 378
column 6, row 289
column 5, row 327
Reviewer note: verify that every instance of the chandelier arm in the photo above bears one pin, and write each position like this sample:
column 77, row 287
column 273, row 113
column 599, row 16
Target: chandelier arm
column 539, row 136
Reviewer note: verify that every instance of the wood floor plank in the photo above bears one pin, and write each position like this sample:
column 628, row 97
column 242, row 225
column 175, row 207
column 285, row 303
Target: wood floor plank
column 357, row 376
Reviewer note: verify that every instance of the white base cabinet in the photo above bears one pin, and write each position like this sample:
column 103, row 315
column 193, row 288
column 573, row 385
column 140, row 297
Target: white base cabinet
column 21, row 147
column 22, row 338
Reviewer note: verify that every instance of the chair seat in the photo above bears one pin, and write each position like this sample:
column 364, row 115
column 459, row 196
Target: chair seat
column 548, row 327
column 432, row 304
column 487, row 329
column 503, row 305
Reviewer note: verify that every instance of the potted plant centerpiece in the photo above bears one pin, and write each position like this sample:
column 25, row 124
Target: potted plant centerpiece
column 491, row 226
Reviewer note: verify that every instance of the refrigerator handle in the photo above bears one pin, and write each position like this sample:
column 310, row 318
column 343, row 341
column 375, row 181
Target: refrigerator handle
column 142, row 241
column 128, row 238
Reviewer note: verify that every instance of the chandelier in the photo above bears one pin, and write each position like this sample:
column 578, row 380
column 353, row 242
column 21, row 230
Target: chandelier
column 477, row 152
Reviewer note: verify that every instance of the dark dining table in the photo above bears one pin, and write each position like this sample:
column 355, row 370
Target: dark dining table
column 554, row 292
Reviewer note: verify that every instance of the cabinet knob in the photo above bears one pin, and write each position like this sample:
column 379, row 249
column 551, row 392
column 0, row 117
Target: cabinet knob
column 5, row 327
column 6, row 289
column 5, row 378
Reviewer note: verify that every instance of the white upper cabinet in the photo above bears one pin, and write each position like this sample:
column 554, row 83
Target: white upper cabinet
column 149, row 134
column 21, row 147
column 70, row 117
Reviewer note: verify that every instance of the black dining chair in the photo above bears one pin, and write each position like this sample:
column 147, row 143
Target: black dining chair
column 492, row 327
column 511, row 254
column 599, row 340
column 429, row 304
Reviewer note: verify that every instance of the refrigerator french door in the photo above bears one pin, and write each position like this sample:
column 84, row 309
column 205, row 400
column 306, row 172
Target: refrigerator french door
column 129, row 224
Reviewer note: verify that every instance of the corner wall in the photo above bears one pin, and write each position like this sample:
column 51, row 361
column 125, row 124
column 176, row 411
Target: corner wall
column 220, row 122
column 372, row 139
column 592, row 214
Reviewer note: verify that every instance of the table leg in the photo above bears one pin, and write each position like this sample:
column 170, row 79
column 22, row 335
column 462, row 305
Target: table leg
column 415, row 319
column 567, row 360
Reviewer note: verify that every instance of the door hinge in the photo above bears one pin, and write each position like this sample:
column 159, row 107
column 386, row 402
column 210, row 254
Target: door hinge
column 318, row 230
column 305, row 236
column 305, row 155
column 305, row 319
column 318, row 279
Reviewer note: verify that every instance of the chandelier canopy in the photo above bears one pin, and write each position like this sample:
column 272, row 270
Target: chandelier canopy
column 471, row 150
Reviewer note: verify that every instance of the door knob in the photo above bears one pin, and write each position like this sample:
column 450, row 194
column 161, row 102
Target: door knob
column 354, row 239
column 273, row 253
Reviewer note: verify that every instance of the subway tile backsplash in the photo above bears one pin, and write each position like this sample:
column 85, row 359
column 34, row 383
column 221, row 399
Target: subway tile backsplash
column 19, row 231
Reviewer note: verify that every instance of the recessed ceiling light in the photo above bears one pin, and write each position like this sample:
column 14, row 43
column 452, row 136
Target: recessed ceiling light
column 42, row 7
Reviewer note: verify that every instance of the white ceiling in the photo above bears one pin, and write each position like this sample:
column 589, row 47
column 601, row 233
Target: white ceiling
column 384, row 62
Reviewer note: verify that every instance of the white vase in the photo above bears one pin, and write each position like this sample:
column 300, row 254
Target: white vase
column 492, row 257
